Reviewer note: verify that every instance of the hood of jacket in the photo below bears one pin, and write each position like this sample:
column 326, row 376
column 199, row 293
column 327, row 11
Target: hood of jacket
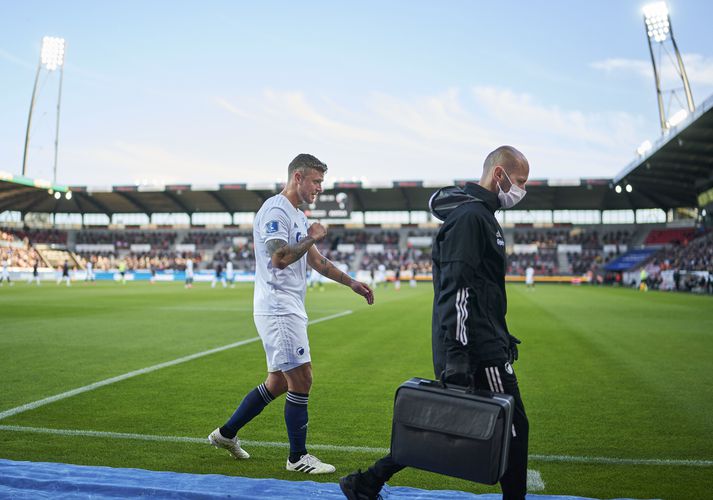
column 447, row 199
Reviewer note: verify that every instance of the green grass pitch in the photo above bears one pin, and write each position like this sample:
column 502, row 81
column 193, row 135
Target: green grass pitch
column 608, row 373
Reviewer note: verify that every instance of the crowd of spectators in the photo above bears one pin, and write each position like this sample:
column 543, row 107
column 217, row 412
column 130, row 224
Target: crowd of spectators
column 159, row 260
column 17, row 251
column 159, row 240
column 361, row 238
column 208, row 239
column 697, row 255
column 589, row 239
column 416, row 259
column 39, row 236
column 544, row 263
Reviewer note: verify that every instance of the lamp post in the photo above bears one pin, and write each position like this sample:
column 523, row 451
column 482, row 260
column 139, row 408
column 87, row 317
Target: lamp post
column 659, row 31
column 51, row 58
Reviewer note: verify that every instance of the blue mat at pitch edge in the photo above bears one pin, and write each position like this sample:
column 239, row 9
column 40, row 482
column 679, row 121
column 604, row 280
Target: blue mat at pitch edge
column 37, row 480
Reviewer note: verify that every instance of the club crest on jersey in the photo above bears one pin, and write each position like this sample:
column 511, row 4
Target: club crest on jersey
column 300, row 351
column 271, row 227
column 298, row 236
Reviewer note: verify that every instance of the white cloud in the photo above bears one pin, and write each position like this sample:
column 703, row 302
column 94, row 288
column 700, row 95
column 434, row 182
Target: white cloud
column 7, row 56
column 442, row 136
column 125, row 161
column 699, row 68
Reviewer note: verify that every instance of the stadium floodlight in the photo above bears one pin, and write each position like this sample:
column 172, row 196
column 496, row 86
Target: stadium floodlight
column 51, row 58
column 657, row 21
column 659, row 31
column 629, row 189
column 617, row 189
column 52, row 55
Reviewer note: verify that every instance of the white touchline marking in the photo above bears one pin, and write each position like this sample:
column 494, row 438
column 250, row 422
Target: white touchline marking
column 620, row 461
column 142, row 371
column 534, row 480
column 356, row 449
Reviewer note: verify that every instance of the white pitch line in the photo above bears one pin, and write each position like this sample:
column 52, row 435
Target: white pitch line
column 57, row 397
column 620, row 461
column 356, row 449
column 534, row 481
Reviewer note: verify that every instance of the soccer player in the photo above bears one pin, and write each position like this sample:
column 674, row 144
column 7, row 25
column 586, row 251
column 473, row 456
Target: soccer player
column 284, row 247
column 65, row 273
column 122, row 271
column 90, row 271
column 5, row 275
column 152, row 269
column 35, row 273
column 530, row 277
column 189, row 272
column 230, row 272
column 218, row 276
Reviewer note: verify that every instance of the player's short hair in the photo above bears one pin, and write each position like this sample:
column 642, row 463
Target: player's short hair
column 507, row 157
column 304, row 161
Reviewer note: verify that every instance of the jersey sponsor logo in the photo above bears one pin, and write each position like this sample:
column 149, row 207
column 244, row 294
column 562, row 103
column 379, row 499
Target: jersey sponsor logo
column 271, row 227
column 499, row 239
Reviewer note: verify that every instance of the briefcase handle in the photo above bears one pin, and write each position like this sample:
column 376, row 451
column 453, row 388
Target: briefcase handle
column 470, row 389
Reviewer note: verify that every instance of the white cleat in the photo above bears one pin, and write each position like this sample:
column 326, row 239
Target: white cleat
column 309, row 464
column 232, row 445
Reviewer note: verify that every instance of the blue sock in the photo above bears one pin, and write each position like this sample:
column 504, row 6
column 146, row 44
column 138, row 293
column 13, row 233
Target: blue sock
column 250, row 407
column 296, row 421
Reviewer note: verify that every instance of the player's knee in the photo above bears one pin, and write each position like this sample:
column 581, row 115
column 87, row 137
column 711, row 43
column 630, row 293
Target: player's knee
column 276, row 384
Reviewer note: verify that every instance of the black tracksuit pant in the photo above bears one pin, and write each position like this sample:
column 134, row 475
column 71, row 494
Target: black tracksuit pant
column 497, row 376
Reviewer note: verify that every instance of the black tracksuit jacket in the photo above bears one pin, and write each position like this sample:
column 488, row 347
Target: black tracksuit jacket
column 469, row 264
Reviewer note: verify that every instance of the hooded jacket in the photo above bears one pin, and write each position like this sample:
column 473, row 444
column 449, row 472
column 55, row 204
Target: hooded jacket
column 469, row 263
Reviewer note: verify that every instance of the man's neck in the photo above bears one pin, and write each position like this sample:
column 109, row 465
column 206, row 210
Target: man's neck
column 291, row 195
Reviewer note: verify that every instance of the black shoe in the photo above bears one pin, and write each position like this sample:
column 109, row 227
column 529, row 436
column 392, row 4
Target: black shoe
column 357, row 487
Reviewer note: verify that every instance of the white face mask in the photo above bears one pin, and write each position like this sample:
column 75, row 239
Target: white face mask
column 512, row 197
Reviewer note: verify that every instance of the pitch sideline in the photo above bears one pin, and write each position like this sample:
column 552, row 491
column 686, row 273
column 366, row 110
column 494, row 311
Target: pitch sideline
column 68, row 394
column 534, row 478
column 355, row 449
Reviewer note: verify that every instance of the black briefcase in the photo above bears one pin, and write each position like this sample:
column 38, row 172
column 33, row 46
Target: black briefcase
column 452, row 430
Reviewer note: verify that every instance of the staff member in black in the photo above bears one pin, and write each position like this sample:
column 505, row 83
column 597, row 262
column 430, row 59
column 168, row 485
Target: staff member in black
column 471, row 341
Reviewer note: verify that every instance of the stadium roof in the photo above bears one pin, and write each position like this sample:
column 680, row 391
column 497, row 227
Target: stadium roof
column 578, row 194
column 679, row 166
column 676, row 172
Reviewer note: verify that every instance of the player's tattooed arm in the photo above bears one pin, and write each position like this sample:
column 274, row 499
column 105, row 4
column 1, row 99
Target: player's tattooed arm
column 326, row 268
column 283, row 255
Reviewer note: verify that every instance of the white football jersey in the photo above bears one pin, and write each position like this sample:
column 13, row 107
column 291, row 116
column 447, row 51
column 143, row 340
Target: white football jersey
column 279, row 291
column 189, row 268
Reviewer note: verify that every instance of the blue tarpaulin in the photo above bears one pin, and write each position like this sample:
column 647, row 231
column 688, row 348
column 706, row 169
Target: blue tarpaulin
column 38, row 480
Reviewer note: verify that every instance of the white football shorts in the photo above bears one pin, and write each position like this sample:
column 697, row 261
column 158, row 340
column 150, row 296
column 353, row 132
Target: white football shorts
column 285, row 341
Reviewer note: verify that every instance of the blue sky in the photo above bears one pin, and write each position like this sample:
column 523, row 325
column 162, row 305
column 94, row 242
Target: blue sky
column 208, row 92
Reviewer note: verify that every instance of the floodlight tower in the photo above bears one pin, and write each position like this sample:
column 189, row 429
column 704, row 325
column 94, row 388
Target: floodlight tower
column 51, row 58
column 659, row 31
